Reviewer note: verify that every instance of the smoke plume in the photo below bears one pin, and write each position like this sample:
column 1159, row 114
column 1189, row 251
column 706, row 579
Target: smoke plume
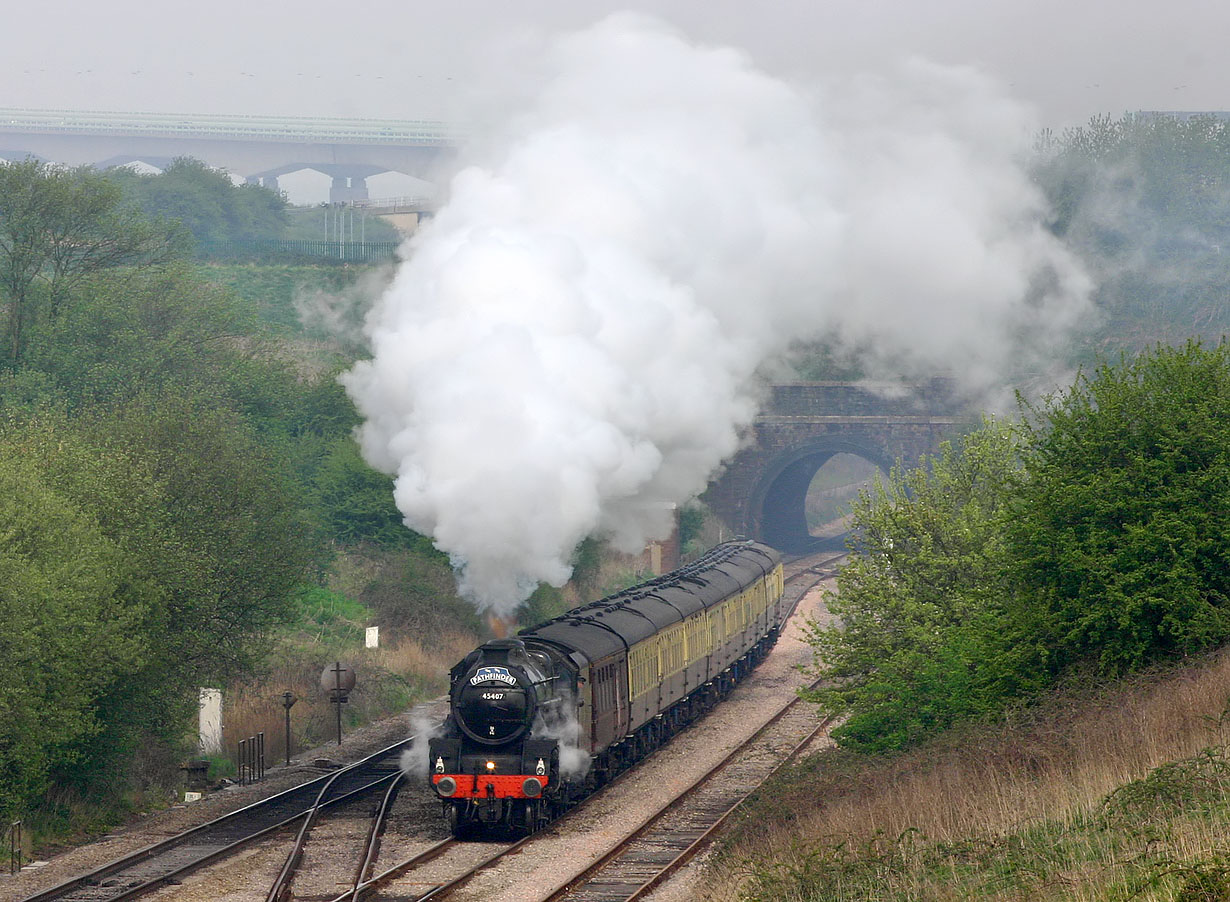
column 575, row 338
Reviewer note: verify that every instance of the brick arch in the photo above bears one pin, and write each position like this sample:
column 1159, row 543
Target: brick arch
column 776, row 506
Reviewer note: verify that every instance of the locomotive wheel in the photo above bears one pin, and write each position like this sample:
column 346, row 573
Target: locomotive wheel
column 458, row 824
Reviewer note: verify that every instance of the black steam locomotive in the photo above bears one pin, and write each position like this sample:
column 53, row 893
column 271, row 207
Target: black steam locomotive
column 540, row 720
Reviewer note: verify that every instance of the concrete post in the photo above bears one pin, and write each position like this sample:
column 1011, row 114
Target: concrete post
column 211, row 721
column 373, row 637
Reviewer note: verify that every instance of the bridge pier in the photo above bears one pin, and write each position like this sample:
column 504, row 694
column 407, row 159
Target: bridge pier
column 263, row 181
column 347, row 189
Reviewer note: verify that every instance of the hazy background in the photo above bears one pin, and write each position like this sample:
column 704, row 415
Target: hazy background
column 409, row 59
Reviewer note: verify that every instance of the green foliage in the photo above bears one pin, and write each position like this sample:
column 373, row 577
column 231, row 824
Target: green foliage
column 277, row 293
column 545, row 602
column 68, row 629
column 920, row 604
column 208, row 543
column 205, row 201
column 355, row 501
column 172, row 468
column 691, row 522
column 150, row 332
column 414, row 594
column 1094, row 537
column 332, row 618
column 1121, row 534
column 243, row 544
column 1146, row 202
column 587, row 565
column 59, row 227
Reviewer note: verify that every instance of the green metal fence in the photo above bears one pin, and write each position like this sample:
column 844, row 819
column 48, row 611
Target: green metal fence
column 299, row 249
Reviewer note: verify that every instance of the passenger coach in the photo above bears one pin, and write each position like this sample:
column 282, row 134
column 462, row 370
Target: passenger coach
column 538, row 721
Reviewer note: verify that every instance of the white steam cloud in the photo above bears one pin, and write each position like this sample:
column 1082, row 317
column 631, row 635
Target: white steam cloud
column 575, row 337
column 425, row 725
column 559, row 722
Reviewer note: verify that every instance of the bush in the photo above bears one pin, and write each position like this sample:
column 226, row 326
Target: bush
column 1120, row 535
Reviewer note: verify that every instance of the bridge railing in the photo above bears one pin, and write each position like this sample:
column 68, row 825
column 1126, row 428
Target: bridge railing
column 406, row 204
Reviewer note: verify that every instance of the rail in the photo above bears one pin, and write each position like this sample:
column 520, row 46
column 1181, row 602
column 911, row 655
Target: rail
column 371, row 849
column 192, row 849
column 809, row 572
column 655, row 819
column 281, row 889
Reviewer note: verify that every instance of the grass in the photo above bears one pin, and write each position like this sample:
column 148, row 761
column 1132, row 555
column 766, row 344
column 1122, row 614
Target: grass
column 274, row 289
column 391, row 679
column 1112, row 793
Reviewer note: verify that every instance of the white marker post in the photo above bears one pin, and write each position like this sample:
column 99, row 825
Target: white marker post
column 211, row 721
column 373, row 637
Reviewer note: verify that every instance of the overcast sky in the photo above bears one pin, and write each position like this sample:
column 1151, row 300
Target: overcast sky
column 1071, row 58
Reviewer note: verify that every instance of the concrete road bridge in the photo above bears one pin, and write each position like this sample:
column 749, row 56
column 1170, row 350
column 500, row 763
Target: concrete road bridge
column 761, row 493
column 259, row 148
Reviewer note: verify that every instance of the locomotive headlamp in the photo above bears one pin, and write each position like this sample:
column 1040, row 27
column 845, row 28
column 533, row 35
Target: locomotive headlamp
column 491, row 765
column 532, row 787
column 446, row 787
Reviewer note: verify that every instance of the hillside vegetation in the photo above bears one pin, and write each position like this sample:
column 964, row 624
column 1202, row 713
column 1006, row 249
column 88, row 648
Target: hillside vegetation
column 1026, row 666
column 185, row 506
column 183, row 497
column 1031, row 667
column 1104, row 792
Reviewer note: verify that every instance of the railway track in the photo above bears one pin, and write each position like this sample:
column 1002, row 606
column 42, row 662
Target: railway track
column 433, row 871
column 678, row 830
column 311, row 868
column 167, row 861
column 663, row 842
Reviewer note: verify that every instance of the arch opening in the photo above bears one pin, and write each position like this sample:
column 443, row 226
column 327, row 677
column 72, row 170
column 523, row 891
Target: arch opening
column 805, row 501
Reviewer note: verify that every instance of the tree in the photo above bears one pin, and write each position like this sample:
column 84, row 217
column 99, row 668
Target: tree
column 1121, row 534
column 921, row 603
column 159, row 330
column 243, row 543
column 355, row 501
column 69, row 632
column 206, row 202
column 58, row 227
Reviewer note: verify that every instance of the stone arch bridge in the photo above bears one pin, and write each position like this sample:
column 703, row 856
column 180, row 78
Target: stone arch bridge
column 762, row 491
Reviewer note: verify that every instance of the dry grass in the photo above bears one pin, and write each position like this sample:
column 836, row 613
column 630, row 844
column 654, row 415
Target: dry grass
column 1046, row 773
column 390, row 679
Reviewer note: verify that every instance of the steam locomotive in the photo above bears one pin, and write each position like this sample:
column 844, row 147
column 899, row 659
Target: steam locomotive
column 539, row 721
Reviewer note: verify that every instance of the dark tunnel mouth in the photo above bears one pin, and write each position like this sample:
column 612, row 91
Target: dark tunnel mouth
column 783, row 496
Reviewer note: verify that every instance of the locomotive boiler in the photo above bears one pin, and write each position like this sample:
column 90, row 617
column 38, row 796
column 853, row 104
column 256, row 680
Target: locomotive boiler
column 538, row 721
